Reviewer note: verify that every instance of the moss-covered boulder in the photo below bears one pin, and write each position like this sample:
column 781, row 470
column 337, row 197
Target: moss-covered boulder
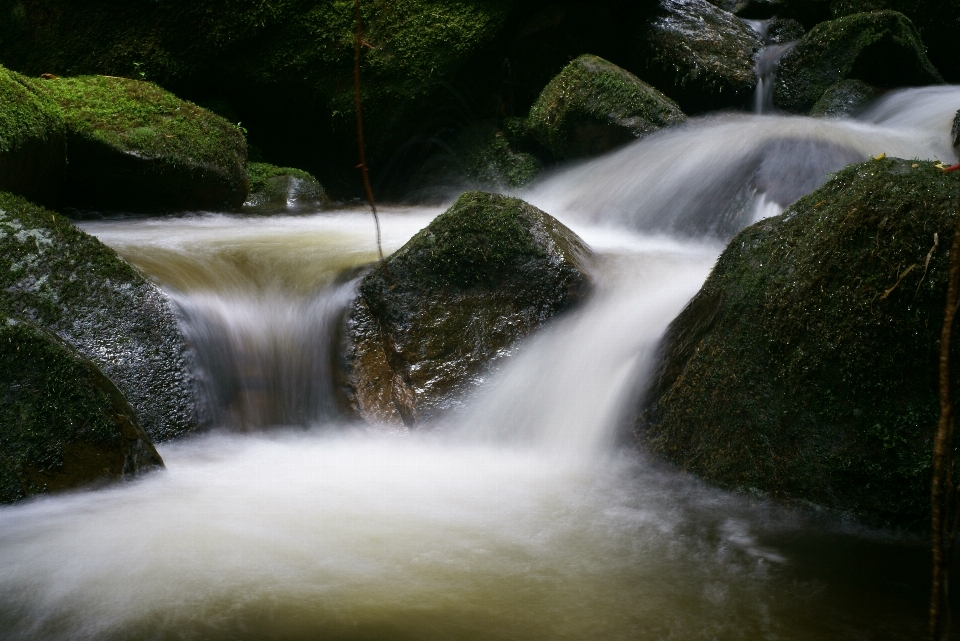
column 593, row 106
column 63, row 424
column 701, row 55
column 431, row 319
column 133, row 146
column 499, row 161
column 33, row 144
column 68, row 282
column 846, row 98
column 881, row 48
column 275, row 188
column 806, row 366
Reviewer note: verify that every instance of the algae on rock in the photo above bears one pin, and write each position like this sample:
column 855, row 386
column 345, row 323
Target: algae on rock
column 806, row 366
column 134, row 146
column 881, row 48
column 275, row 188
column 431, row 319
column 593, row 106
column 63, row 423
column 66, row 281
column 701, row 55
column 33, row 144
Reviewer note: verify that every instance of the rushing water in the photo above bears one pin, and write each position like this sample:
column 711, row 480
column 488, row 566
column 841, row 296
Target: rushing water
column 517, row 517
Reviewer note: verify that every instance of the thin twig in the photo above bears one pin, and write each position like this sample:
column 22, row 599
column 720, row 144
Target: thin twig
column 943, row 514
column 357, row 43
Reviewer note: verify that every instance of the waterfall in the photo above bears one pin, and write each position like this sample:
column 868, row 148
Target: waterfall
column 768, row 59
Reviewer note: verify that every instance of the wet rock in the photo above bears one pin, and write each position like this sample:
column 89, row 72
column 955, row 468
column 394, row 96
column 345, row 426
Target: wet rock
column 66, row 281
column 499, row 160
column 955, row 131
column 701, row 55
column 784, row 30
column 274, row 189
column 846, row 98
column 63, row 424
column 33, row 144
column 429, row 322
column 881, row 48
column 134, row 146
column 593, row 106
column 806, row 366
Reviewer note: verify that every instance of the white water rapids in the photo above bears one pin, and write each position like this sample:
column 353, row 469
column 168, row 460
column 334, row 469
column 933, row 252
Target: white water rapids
column 520, row 516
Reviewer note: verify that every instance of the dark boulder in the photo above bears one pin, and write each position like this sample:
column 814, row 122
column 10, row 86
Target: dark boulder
column 66, row 281
column 881, row 48
column 784, row 30
column 806, row 366
column 281, row 189
column 63, row 424
column 955, row 131
column 593, row 106
column 33, row 144
column 133, row 146
column 431, row 319
column 846, row 98
column 701, row 55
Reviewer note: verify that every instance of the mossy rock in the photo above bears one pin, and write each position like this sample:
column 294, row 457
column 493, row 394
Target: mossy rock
column 784, row 30
column 701, row 55
column 66, row 281
column 497, row 164
column 429, row 321
column 134, row 146
column 846, row 98
column 33, row 144
column 881, row 48
column 593, row 106
column 275, row 188
column 807, row 365
column 63, row 424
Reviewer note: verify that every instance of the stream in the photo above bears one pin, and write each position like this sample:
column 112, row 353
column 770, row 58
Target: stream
column 520, row 515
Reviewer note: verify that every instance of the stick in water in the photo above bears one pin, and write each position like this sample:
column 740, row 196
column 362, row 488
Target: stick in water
column 357, row 42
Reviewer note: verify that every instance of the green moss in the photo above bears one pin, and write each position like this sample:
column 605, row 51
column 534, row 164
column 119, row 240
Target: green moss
column 593, row 106
column 456, row 297
column 498, row 164
column 845, row 98
column 807, row 365
column 142, row 118
column 282, row 187
column 62, row 422
column 881, row 48
column 25, row 113
column 68, row 282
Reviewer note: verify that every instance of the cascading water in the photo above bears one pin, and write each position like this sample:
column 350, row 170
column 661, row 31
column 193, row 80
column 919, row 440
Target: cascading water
column 516, row 517
column 768, row 59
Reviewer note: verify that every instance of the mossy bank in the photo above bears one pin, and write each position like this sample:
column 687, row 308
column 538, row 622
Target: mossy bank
column 806, row 366
column 68, row 282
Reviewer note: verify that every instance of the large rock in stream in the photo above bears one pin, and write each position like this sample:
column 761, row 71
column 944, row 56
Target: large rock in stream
column 431, row 319
column 881, row 48
column 63, row 424
column 806, row 366
column 133, row 146
column 33, row 144
column 67, row 282
column 593, row 106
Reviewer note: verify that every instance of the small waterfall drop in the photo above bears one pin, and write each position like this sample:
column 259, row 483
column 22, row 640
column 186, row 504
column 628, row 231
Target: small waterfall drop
column 768, row 59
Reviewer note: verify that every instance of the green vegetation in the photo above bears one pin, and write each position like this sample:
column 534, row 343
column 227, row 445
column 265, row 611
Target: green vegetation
column 66, row 281
column 806, row 367
column 134, row 145
column 283, row 187
column 32, row 139
column 881, row 48
column 457, row 296
column 498, row 163
column 62, row 422
column 593, row 106
column 845, row 98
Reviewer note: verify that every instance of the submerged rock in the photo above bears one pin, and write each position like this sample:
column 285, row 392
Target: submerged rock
column 702, row 55
column 846, row 98
column 593, row 106
column 63, row 424
column 33, row 144
column 806, row 366
column 881, row 48
column 66, row 281
column 134, row 146
column 431, row 319
column 275, row 188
